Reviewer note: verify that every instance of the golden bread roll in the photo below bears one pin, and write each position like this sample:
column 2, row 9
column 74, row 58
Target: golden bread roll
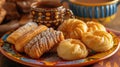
column 72, row 49
column 73, row 28
column 21, row 31
column 43, row 42
column 98, row 41
column 93, row 26
column 22, row 41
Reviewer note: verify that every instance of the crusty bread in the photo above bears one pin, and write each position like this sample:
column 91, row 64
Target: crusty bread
column 22, row 41
column 21, row 31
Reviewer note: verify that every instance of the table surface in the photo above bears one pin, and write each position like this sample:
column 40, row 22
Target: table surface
column 114, row 24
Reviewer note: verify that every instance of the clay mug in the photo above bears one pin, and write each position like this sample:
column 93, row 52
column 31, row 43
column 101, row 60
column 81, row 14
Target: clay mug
column 50, row 13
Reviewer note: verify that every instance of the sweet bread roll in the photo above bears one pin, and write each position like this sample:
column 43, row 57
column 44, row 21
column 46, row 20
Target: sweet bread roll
column 12, row 38
column 98, row 41
column 73, row 28
column 22, row 41
column 72, row 49
column 43, row 43
column 93, row 26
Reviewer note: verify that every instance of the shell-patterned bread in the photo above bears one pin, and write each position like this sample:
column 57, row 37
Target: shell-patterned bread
column 73, row 28
column 43, row 42
column 98, row 41
column 22, row 41
column 93, row 26
column 72, row 49
column 21, row 31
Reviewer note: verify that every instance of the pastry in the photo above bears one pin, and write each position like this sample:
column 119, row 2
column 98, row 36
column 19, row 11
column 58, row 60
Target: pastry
column 22, row 41
column 72, row 49
column 12, row 38
column 93, row 26
column 43, row 43
column 98, row 41
column 2, row 14
column 73, row 28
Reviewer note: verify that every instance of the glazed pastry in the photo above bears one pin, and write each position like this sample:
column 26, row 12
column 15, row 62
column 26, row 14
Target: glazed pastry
column 2, row 14
column 22, row 41
column 73, row 28
column 12, row 38
column 43, row 43
column 72, row 49
column 93, row 26
column 98, row 41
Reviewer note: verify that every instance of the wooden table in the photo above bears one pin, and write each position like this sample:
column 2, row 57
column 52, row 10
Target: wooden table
column 114, row 24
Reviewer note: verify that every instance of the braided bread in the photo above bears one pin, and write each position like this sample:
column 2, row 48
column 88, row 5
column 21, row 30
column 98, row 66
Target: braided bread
column 93, row 26
column 98, row 41
column 73, row 28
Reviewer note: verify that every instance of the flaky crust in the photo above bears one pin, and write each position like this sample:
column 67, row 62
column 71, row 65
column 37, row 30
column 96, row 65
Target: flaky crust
column 98, row 41
column 43, row 42
column 22, row 41
column 12, row 38
column 93, row 26
column 72, row 49
column 73, row 28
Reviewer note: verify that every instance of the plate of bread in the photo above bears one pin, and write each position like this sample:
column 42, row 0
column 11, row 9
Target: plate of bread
column 73, row 43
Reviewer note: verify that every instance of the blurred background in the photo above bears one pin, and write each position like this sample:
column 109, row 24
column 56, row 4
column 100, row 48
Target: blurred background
column 14, row 13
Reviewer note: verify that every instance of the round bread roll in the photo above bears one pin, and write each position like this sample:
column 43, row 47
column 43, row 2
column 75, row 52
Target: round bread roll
column 72, row 49
column 93, row 26
column 98, row 41
column 73, row 28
